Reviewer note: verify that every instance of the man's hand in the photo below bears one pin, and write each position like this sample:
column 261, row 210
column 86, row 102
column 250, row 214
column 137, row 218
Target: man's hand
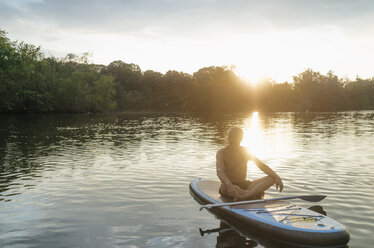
column 230, row 189
column 278, row 183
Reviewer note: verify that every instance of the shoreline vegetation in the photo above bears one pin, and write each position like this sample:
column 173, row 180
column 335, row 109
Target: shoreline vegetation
column 33, row 83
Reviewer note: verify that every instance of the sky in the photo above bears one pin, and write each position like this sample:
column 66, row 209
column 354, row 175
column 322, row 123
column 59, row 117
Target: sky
column 262, row 38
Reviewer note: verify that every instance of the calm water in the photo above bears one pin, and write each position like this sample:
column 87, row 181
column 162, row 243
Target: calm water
column 122, row 180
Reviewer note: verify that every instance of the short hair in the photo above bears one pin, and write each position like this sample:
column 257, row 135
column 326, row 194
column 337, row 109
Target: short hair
column 235, row 131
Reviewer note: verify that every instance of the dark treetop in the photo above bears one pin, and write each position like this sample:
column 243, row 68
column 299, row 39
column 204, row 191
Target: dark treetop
column 31, row 82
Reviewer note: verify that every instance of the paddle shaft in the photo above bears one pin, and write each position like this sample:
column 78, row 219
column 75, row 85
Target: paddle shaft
column 313, row 198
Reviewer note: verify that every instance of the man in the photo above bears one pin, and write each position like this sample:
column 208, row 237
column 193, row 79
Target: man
column 232, row 170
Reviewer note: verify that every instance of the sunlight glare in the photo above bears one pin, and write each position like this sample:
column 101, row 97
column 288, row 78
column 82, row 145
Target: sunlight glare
column 250, row 76
column 253, row 138
column 269, row 141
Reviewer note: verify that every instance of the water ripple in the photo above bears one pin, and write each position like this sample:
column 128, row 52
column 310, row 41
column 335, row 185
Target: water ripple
column 122, row 180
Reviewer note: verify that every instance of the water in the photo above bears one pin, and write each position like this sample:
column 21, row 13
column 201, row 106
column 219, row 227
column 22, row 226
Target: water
column 122, row 180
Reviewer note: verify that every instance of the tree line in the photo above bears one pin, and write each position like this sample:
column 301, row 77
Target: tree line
column 30, row 82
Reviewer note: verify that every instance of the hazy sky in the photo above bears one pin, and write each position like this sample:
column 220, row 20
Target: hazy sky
column 275, row 38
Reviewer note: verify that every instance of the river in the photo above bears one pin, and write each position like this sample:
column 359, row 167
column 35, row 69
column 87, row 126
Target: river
column 121, row 180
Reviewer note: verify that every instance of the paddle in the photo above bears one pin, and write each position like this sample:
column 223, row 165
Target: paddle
column 310, row 198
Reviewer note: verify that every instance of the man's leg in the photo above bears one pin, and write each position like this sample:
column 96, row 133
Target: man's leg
column 257, row 187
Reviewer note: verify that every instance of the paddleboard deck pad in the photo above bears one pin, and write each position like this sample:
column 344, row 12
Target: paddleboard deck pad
column 281, row 220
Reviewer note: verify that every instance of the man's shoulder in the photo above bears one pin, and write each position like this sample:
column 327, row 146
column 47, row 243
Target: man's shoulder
column 244, row 149
column 247, row 152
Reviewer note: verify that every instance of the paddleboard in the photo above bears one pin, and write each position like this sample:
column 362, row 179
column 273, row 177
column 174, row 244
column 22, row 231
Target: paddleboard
column 280, row 220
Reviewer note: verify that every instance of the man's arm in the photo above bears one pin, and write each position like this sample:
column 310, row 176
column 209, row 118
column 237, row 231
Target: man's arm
column 268, row 171
column 220, row 165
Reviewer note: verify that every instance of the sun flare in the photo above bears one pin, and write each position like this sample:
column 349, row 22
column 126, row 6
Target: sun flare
column 250, row 76
column 253, row 139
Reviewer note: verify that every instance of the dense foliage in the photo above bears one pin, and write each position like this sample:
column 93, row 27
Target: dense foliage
column 30, row 82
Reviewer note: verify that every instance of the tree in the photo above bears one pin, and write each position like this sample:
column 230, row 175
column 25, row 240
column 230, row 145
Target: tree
column 8, row 90
column 127, row 82
column 218, row 89
column 360, row 94
column 317, row 92
column 29, row 82
column 101, row 94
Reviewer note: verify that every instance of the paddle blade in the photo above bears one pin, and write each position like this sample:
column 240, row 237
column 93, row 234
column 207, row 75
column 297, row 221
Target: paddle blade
column 313, row 198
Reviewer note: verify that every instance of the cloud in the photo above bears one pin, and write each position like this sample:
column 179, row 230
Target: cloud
column 176, row 17
column 186, row 35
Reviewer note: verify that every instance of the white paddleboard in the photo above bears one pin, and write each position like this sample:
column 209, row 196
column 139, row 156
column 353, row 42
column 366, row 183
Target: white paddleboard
column 281, row 220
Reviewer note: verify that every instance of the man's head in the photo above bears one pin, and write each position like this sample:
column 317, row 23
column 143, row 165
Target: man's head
column 235, row 135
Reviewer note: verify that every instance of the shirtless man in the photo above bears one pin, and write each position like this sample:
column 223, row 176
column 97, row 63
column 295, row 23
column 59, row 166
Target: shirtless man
column 232, row 170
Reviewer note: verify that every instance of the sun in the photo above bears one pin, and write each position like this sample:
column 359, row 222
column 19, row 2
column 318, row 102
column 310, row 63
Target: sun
column 257, row 75
column 272, row 56
column 251, row 71
column 250, row 76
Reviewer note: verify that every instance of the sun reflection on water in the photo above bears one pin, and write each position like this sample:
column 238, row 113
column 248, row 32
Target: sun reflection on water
column 253, row 138
column 268, row 139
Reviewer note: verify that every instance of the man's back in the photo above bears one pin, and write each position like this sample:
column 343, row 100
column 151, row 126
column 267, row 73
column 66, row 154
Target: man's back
column 235, row 163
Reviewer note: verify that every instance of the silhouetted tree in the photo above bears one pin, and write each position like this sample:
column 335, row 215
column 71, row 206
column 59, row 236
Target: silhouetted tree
column 218, row 89
column 360, row 94
column 29, row 82
column 317, row 92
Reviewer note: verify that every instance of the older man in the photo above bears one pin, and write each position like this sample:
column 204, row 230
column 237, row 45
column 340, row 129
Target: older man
column 232, row 170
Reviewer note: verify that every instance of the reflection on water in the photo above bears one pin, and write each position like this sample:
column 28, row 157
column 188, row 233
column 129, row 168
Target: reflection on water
column 229, row 238
column 121, row 180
